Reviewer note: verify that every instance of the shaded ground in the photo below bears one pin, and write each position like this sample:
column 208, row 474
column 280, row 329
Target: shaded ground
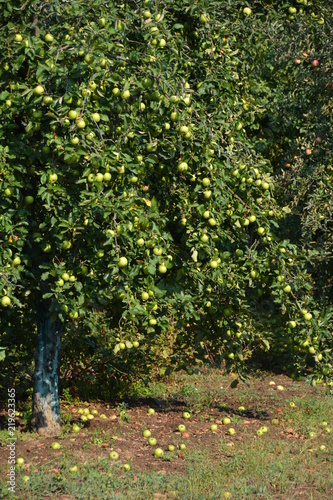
column 209, row 398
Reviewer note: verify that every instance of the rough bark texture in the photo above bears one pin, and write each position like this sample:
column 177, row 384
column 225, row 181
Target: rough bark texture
column 45, row 405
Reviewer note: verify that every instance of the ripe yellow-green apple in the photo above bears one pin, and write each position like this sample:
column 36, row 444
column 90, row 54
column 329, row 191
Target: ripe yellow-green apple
column 122, row 345
column 213, row 427
column 96, row 117
column 183, row 166
column 162, row 268
column 247, row 11
column 158, row 453
column 53, row 178
column 152, row 441
column 39, row 90
column 16, row 261
column 122, row 262
column 19, row 461
column 171, row 447
column 81, row 123
column 114, row 455
column 55, row 446
column 146, row 433
column 181, row 428
column 72, row 115
column 231, row 431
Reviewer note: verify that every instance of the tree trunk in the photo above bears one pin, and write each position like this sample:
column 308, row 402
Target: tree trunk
column 45, row 403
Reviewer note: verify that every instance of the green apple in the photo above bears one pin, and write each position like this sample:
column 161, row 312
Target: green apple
column 72, row 115
column 146, row 433
column 29, row 200
column 152, row 441
column 55, row 446
column 182, row 446
column 231, row 431
column 114, row 455
column 126, row 467
column 287, row 289
column 158, row 453
column 39, row 90
column 226, row 421
column 181, row 428
column 81, row 123
column 151, row 411
column 162, row 269
column 52, row 178
column 186, row 415
column 26, row 478
column 171, row 447
column 76, row 428
column 73, row 469
column 122, row 262
column 213, row 427
column 5, row 301
column 247, row 11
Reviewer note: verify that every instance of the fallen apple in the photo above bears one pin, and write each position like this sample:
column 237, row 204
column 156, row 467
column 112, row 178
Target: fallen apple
column 181, row 428
column 55, row 446
column 231, row 431
column 146, row 433
column 158, row 453
column 114, row 455
column 152, row 441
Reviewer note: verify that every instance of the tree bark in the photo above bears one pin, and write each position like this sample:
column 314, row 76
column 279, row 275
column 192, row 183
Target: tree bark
column 45, row 403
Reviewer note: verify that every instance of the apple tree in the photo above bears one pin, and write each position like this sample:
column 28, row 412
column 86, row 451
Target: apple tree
column 133, row 188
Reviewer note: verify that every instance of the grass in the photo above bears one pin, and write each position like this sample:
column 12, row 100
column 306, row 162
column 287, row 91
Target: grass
column 284, row 463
